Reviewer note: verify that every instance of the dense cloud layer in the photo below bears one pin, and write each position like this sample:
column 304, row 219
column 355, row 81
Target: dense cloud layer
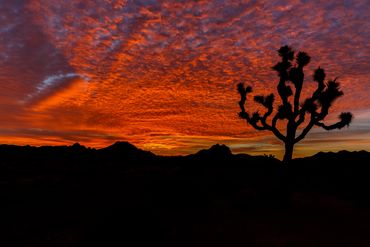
column 162, row 74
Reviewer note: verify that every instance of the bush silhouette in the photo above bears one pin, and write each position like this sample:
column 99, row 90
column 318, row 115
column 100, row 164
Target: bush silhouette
column 317, row 106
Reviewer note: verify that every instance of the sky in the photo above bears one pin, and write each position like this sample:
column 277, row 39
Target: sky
column 163, row 74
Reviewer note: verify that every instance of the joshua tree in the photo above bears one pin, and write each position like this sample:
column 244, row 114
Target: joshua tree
column 291, row 109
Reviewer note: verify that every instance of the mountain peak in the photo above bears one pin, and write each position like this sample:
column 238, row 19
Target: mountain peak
column 215, row 152
column 121, row 145
column 220, row 149
column 78, row 146
column 125, row 150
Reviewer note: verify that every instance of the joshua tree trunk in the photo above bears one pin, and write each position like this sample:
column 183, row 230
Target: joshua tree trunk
column 289, row 146
column 290, row 140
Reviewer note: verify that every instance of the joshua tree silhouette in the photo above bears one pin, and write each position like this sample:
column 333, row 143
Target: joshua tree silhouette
column 317, row 106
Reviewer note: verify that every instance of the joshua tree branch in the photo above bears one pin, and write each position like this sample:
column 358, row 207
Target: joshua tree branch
column 296, row 75
column 272, row 127
column 258, row 127
column 267, row 114
column 297, row 96
column 282, row 67
column 315, row 118
column 301, row 118
column 274, row 120
column 278, row 134
column 305, row 130
column 274, row 130
column 281, row 91
column 251, row 122
column 267, row 102
column 296, row 104
column 345, row 120
column 317, row 92
column 328, row 127
column 310, row 105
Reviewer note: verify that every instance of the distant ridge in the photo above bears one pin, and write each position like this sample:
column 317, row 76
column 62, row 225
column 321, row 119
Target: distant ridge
column 122, row 150
column 342, row 154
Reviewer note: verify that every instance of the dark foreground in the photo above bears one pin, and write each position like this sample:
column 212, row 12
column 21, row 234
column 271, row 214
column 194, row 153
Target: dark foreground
column 122, row 196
